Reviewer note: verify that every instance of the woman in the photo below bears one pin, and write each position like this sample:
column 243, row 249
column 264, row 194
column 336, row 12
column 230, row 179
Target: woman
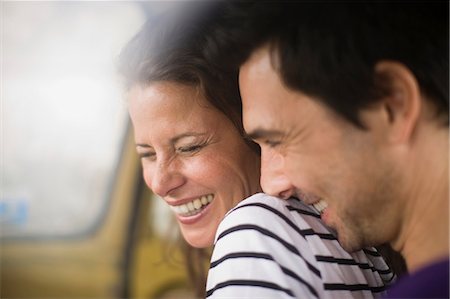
column 189, row 135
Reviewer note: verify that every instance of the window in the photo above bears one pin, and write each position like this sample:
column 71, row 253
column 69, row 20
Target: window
column 63, row 115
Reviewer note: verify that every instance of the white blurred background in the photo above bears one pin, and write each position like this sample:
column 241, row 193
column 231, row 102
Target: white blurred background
column 62, row 112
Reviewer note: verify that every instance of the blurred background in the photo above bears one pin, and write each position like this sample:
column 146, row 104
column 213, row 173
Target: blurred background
column 76, row 220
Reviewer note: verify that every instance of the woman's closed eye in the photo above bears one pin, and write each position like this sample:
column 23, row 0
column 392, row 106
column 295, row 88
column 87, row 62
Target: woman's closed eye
column 190, row 149
column 147, row 155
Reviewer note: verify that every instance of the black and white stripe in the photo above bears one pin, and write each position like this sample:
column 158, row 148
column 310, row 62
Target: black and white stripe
column 249, row 283
column 237, row 255
column 269, row 248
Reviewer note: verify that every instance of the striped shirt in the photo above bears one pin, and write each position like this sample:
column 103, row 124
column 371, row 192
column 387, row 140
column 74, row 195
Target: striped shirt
column 271, row 248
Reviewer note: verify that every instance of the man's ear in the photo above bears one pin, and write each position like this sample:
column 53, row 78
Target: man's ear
column 401, row 99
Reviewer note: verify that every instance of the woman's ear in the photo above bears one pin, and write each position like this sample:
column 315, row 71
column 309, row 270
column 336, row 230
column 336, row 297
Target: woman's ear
column 401, row 100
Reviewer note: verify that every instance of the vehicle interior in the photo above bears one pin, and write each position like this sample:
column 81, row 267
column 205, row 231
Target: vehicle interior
column 77, row 220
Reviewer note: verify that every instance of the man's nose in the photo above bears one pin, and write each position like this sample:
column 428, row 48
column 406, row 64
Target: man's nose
column 273, row 179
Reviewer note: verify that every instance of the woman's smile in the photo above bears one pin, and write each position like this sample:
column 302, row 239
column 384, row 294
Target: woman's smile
column 193, row 210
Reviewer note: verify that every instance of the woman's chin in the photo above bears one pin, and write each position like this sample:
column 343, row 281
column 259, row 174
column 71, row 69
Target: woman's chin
column 198, row 239
column 198, row 243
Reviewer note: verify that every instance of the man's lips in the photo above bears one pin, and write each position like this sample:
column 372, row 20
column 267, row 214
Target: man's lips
column 308, row 198
column 320, row 206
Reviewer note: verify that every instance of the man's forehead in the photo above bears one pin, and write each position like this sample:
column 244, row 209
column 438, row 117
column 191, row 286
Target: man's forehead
column 259, row 83
column 259, row 62
column 261, row 122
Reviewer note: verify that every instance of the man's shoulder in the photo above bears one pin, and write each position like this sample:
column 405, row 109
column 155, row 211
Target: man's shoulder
column 432, row 281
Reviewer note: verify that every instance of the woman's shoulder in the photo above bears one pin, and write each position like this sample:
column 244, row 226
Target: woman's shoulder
column 264, row 203
column 258, row 201
column 270, row 212
column 266, row 224
column 262, row 199
column 259, row 241
column 251, row 208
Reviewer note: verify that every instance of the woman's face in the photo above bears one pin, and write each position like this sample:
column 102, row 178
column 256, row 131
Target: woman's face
column 192, row 156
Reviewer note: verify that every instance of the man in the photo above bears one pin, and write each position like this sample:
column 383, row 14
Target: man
column 349, row 101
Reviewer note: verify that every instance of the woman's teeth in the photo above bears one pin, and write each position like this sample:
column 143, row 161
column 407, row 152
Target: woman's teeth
column 320, row 205
column 193, row 207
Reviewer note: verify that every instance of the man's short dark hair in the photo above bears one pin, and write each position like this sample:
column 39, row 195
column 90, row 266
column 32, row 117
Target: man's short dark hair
column 328, row 50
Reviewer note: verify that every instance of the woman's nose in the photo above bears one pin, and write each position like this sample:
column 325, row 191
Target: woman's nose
column 164, row 178
column 273, row 179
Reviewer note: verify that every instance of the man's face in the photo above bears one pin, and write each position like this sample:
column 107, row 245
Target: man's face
column 325, row 159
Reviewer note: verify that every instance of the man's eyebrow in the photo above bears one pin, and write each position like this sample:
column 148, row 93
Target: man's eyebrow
column 263, row 133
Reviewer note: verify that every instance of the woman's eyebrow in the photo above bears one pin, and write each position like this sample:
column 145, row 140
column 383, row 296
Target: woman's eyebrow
column 185, row 135
column 142, row 145
column 175, row 139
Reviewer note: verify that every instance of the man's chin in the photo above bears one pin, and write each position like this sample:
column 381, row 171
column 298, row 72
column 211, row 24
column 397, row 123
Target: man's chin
column 348, row 243
column 349, row 247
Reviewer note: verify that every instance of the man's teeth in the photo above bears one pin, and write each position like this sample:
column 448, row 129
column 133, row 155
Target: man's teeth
column 193, row 207
column 320, row 206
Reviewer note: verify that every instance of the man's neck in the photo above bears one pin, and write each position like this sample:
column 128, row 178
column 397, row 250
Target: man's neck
column 424, row 236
